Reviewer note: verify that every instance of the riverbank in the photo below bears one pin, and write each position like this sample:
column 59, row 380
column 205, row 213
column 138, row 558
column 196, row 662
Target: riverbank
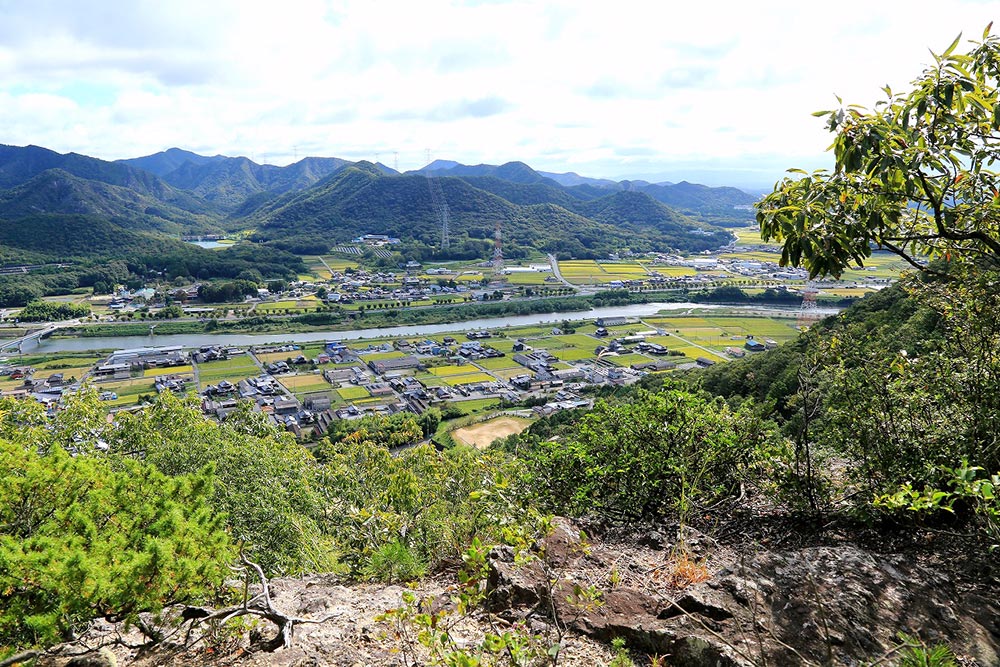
column 191, row 340
column 338, row 320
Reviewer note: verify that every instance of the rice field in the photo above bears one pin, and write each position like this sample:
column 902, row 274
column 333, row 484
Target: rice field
column 306, row 303
column 469, row 378
column 673, row 271
column 448, row 371
column 169, row 370
column 497, row 363
column 233, row 369
column 352, row 393
column 751, row 236
column 692, row 353
column 589, row 272
column 531, row 278
column 627, row 359
column 573, row 354
column 381, row 356
column 508, row 373
column 340, row 264
column 304, row 383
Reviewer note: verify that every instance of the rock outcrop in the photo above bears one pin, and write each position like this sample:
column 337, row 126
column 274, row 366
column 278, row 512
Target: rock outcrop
column 836, row 605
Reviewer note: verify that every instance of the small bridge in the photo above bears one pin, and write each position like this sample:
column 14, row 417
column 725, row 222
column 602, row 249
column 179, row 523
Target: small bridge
column 34, row 335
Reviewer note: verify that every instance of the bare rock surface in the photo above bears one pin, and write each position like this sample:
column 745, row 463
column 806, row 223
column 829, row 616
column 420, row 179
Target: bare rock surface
column 828, row 605
column 687, row 598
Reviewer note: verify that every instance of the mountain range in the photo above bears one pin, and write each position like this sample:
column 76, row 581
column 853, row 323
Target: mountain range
column 317, row 203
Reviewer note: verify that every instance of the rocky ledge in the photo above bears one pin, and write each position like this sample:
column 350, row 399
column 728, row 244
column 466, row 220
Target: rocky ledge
column 690, row 600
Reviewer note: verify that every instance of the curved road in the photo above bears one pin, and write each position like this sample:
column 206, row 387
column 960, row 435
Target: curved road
column 554, row 263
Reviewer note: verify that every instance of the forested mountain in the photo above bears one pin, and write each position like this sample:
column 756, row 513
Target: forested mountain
column 229, row 181
column 360, row 200
column 56, row 191
column 715, row 205
column 316, row 203
column 164, row 162
column 18, row 165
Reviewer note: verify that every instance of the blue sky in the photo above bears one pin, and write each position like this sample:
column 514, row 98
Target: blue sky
column 715, row 92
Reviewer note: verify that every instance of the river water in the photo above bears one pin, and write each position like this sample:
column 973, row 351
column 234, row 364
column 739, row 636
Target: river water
column 197, row 340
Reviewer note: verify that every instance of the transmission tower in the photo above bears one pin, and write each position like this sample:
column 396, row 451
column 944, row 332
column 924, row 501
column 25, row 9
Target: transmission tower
column 497, row 254
column 441, row 207
column 809, row 311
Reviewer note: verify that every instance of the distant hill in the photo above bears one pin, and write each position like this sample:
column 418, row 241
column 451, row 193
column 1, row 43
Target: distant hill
column 570, row 179
column 709, row 204
column 361, row 200
column 164, row 162
column 515, row 172
column 59, row 192
column 19, row 165
column 228, row 182
column 315, row 203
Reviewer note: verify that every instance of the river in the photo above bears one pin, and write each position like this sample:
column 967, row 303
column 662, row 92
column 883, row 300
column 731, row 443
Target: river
column 198, row 340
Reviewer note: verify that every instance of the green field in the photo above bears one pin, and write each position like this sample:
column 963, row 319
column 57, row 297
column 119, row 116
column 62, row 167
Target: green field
column 304, row 383
column 233, row 370
column 531, row 278
column 469, row 378
column 381, row 356
column 497, row 363
column 128, row 390
column 448, row 371
column 352, row 393
column 169, row 370
column 476, row 405
column 574, row 340
column 627, row 359
column 574, row 353
column 720, row 331
column 303, row 304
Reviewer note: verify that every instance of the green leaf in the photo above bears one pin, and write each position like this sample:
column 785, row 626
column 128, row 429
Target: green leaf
column 951, row 48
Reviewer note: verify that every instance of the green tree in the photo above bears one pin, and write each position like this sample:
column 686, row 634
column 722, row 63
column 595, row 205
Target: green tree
column 914, row 176
column 90, row 536
column 655, row 454
column 265, row 481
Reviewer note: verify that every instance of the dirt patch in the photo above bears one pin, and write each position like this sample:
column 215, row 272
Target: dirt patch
column 482, row 434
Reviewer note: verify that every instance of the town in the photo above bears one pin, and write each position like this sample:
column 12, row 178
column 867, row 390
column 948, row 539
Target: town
column 534, row 370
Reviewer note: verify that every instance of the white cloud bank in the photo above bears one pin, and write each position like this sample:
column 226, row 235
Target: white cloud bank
column 719, row 91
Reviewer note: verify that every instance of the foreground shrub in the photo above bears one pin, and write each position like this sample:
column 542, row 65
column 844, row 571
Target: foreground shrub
column 657, row 454
column 81, row 538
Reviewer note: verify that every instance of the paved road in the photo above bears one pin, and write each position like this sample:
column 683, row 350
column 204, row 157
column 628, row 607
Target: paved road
column 46, row 330
column 554, row 263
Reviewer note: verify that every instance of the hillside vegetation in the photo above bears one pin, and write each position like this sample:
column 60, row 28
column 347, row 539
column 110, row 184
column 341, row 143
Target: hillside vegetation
column 316, row 203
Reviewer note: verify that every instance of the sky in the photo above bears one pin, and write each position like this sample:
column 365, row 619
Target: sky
column 713, row 92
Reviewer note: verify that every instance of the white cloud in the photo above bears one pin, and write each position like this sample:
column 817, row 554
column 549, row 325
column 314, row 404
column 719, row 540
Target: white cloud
column 639, row 88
